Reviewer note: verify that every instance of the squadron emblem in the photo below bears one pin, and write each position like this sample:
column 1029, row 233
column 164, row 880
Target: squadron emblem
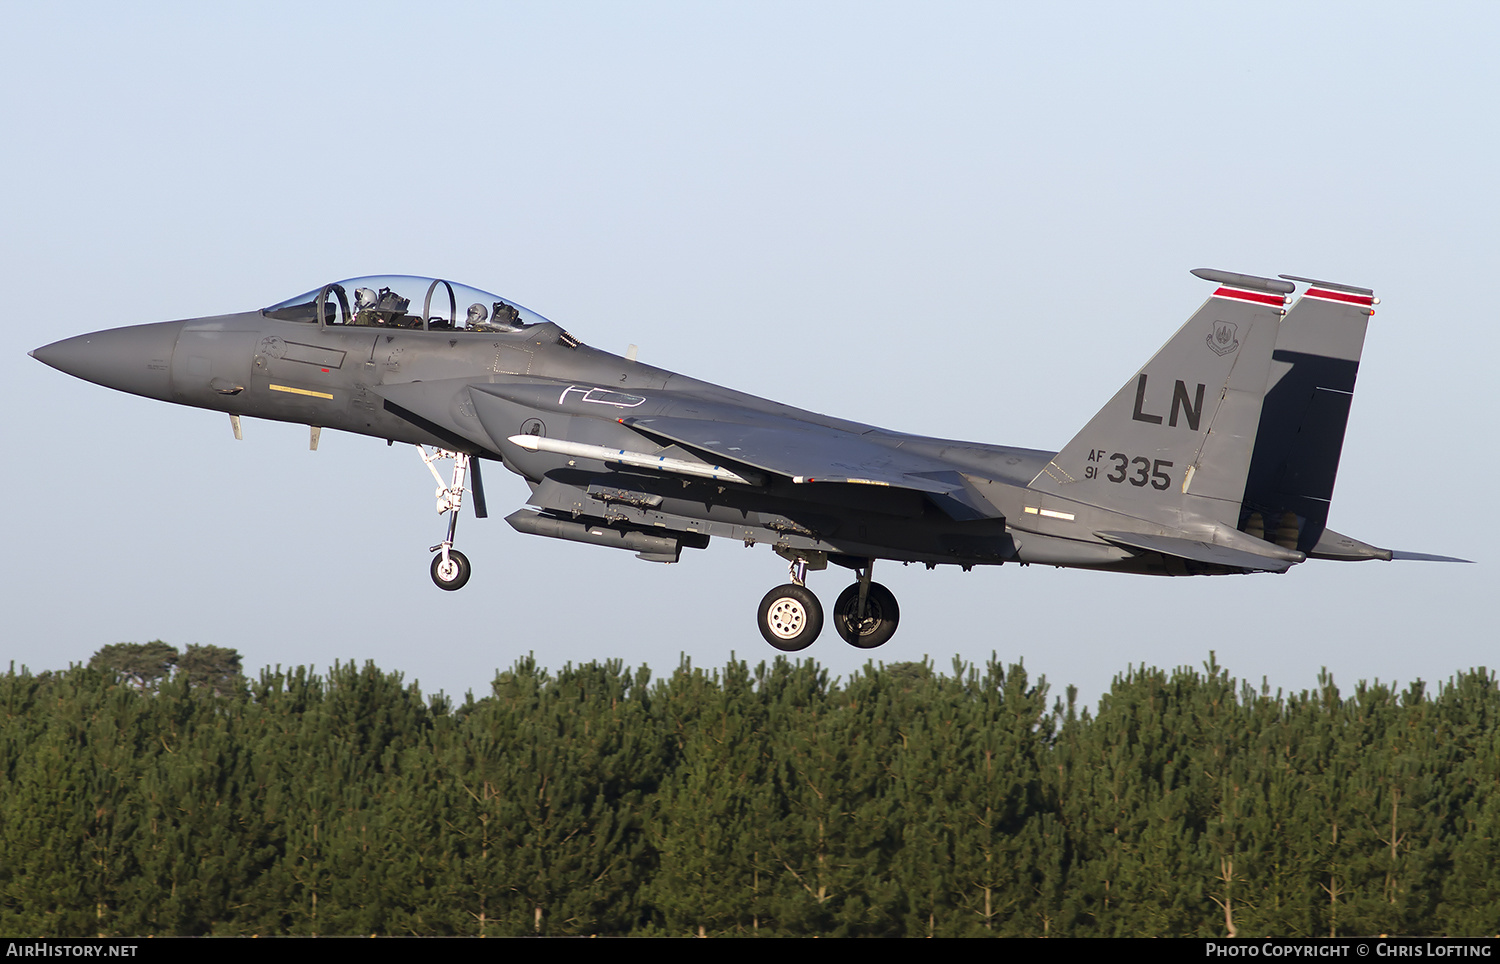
column 1222, row 339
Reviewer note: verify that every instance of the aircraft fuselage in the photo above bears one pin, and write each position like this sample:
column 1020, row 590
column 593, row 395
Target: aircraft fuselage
column 1187, row 470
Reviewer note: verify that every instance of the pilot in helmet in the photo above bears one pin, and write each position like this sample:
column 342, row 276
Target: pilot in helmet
column 365, row 300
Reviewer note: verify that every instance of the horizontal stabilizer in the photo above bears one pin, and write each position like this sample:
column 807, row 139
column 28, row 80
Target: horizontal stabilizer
column 1205, row 552
column 1341, row 548
column 1425, row 557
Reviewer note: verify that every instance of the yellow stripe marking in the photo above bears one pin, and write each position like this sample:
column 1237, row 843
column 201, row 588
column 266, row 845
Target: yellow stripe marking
column 301, row 391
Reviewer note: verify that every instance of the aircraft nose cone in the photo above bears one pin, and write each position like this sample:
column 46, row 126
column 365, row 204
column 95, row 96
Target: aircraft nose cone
column 137, row 359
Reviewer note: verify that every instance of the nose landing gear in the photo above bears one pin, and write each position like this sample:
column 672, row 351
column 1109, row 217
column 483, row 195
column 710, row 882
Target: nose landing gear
column 450, row 568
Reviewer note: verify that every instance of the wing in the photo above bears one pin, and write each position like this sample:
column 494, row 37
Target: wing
column 808, row 453
column 801, row 446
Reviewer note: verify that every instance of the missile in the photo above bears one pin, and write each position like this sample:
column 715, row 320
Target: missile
column 537, row 443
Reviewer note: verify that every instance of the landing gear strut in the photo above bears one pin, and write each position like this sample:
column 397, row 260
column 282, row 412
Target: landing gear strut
column 450, row 568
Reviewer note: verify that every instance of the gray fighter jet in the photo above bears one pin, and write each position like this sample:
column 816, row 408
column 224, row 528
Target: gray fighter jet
column 1218, row 456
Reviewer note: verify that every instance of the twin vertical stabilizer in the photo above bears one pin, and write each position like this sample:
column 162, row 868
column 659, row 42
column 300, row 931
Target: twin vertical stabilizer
column 1306, row 410
column 1174, row 444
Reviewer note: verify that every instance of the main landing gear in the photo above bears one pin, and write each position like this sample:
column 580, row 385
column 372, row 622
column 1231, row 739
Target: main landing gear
column 450, row 568
column 866, row 613
column 791, row 617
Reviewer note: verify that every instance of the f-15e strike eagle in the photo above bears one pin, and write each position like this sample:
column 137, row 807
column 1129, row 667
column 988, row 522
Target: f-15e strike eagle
column 1218, row 456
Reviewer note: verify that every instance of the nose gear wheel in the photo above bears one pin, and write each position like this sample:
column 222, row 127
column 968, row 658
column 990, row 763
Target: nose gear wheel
column 450, row 572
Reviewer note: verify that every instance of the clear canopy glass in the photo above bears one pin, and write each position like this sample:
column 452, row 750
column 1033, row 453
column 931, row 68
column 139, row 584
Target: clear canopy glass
column 405, row 301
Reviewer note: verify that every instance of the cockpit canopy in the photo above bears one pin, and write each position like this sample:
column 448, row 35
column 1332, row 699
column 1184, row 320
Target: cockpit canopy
column 405, row 301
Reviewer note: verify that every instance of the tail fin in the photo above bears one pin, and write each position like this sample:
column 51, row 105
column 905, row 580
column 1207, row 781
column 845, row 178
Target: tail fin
column 1306, row 410
column 1174, row 444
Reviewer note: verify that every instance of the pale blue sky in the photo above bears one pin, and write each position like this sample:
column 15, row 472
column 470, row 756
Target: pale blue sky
column 973, row 221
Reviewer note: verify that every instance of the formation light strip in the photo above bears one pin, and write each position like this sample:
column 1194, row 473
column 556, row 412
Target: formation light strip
column 301, row 391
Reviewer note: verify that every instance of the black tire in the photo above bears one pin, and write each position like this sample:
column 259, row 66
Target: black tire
column 881, row 616
column 790, row 618
column 454, row 576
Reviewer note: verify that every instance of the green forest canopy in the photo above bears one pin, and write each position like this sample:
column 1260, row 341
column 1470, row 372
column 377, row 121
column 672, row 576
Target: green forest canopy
column 157, row 792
